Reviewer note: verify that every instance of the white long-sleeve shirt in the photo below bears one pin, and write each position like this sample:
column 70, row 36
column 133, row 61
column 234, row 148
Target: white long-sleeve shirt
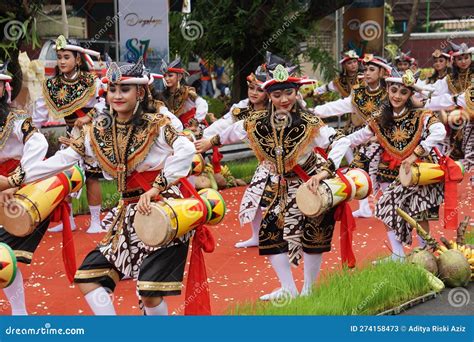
column 225, row 121
column 29, row 152
column 444, row 101
column 236, row 133
column 175, row 160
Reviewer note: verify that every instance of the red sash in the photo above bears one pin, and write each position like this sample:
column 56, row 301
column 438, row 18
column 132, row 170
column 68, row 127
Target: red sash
column 8, row 166
column 185, row 117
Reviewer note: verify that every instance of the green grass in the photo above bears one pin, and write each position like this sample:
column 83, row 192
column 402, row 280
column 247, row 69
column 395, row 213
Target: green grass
column 367, row 291
column 469, row 236
column 243, row 168
column 110, row 198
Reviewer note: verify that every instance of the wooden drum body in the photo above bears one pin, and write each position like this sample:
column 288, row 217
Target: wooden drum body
column 34, row 202
column 423, row 174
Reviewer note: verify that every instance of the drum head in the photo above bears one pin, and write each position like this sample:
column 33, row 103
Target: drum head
column 307, row 202
column 15, row 219
column 405, row 178
column 153, row 229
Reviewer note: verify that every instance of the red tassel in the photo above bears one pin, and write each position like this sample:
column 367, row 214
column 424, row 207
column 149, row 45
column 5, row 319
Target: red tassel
column 452, row 175
column 61, row 213
column 197, row 296
column 216, row 159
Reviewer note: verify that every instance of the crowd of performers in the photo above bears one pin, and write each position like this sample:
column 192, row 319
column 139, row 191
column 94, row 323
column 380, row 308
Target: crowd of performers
column 121, row 128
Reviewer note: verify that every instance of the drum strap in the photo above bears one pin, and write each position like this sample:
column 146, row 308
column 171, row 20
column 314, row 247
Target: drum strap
column 344, row 214
column 198, row 302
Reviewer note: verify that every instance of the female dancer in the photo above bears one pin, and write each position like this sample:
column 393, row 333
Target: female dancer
column 405, row 134
column 284, row 138
column 137, row 146
column 71, row 95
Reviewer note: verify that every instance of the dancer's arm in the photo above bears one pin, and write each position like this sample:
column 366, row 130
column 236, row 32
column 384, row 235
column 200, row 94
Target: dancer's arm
column 334, row 108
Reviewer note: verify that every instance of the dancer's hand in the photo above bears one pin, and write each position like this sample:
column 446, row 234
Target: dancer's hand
column 82, row 121
column 65, row 141
column 7, row 195
column 408, row 162
column 314, row 181
column 143, row 205
column 4, row 184
column 203, row 145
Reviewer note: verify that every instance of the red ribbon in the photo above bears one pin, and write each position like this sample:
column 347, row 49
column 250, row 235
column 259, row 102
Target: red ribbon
column 8, row 166
column 185, row 117
column 197, row 300
column 216, row 159
column 393, row 162
column 452, row 176
column 344, row 214
column 61, row 213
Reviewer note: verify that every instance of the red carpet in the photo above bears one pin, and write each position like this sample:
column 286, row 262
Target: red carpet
column 236, row 275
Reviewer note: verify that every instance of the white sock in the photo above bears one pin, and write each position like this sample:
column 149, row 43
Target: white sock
column 421, row 241
column 312, row 266
column 159, row 310
column 282, row 267
column 253, row 241
column 364, row 205
column 397, row 247
column 15, row 294
column 100, row 302
column 95, row 214
column 71, row 216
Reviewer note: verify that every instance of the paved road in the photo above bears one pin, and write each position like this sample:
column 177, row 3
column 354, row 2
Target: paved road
column 441, row 304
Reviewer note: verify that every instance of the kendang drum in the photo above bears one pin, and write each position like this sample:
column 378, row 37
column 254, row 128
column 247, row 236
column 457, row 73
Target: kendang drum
column 329, row 194
column 423, row 174
column 362, row 182
column 197, row 165
column 8, row 265
column 173, row 218
column 34, row 202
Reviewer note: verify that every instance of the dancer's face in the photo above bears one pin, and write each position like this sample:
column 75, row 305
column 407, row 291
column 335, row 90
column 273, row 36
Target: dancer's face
column 256, row 94
column 67, row 61
column 172, row 79
column 284, row 99
column 352, row 65
column 463, row 62
column 440, row 63
column 402, row 65
column 398, row 95
column 372, row 73
column 123, row 97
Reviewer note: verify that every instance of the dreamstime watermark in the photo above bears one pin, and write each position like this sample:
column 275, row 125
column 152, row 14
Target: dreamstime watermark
column 282, row 298
column 459, row 297
column 368, row 30
column 192, row 30
column 287, row 21
column 109, row 22
column 14, row 30
column 46, row 330
column 198, row 288
column 362, row 305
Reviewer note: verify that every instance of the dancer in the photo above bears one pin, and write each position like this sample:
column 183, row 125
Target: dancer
column 257, row 100
column 363, row 103
column 405, row 134
column 21, row 145
column 71, row 95
column 181, row 99
column 133, row 144
column 284, row 138
column 347, row 78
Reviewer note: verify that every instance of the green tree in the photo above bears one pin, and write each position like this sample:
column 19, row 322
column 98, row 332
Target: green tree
column 241, row 31
column 17, row 26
